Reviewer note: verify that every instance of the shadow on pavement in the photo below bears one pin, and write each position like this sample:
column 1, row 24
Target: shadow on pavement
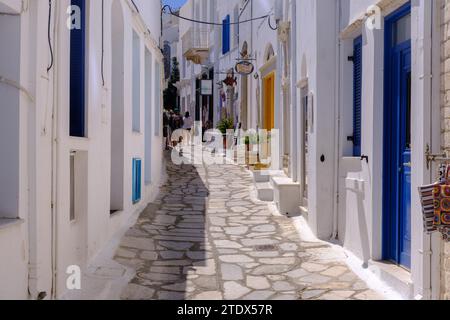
column 169, row 239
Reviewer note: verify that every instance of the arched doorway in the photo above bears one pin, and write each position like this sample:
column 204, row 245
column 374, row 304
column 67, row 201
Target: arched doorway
column 303, row 117
column 267, row 112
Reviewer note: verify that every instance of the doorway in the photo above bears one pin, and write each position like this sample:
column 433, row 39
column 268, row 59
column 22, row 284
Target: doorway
column 269, row 101
column 305, row 145
column 117, row 110
column 397, row 139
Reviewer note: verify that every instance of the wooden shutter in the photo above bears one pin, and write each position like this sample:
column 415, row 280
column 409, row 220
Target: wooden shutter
column 77, row 74
column 357, row 96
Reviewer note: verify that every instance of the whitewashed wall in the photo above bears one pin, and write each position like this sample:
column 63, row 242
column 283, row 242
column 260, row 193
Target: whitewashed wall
column 29, row 241
column 360, row 183
column 29, row 123
column 150, row 11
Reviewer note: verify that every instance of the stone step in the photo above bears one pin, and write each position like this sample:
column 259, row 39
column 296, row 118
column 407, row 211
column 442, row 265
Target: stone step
column 265, row 191
column 286, row 195
column 264, row 176
column 395, row 277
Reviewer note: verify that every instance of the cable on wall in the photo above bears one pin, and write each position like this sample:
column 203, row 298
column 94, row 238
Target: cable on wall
column 49, row 35
column 270, row 25
column 103, row 43
column 135, row 6
column 16, row 85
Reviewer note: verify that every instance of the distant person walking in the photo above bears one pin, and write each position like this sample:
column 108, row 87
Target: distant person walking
column 188, row 124
column 166, row 129
column 176, row 124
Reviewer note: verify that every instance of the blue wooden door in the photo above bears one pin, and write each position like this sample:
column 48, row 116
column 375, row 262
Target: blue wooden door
column 404, row 191
column 397, row 140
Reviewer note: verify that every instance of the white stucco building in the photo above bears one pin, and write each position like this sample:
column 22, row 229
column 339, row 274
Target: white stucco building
column 365, row 163
column 169, row 42
column 328, row 79
column 358, row 164
column 197, row 52
column 80, row 120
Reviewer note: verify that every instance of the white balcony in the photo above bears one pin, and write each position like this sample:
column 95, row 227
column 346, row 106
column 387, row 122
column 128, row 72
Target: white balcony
column 195, row 45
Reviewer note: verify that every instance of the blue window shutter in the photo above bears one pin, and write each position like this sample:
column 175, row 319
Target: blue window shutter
column 77, row 74
column 134, row 181
column 226, row 35
column 137, row 180
column 357, row 96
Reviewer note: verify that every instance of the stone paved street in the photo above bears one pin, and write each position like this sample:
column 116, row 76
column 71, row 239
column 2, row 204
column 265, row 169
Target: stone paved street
column 206, row 238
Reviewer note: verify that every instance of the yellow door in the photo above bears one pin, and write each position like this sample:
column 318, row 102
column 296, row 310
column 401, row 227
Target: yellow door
column 269, row 102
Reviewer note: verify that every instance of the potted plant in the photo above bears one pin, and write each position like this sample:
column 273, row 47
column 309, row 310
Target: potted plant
column 248, row 143
column 223, row 126
column 263, row 141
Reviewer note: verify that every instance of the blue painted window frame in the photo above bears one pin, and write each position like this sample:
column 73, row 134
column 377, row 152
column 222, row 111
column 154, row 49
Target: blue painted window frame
column 226, row 33
column 137, row 180
column 77, row 104
column 357, row 95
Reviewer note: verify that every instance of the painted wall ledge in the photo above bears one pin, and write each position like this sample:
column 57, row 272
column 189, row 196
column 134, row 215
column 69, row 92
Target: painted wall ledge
column 8, row 223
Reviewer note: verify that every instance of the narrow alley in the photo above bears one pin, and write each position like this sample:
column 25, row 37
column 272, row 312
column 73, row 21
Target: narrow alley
column 207, row 238
column 328, row 123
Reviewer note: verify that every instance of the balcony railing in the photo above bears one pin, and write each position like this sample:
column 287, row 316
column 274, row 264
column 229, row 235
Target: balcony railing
column 195, row 44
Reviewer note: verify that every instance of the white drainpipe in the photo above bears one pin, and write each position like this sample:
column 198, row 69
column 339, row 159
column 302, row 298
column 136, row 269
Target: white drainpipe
column 54, row 164
column 294, row 123
column 431, row 281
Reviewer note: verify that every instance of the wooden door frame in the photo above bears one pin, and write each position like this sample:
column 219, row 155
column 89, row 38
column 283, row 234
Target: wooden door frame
column 388, row 167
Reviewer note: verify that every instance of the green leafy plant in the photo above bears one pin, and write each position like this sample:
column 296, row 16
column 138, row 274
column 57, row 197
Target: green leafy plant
column 254, row 139
column 251, row 139
column 171, row 93
column 224, row 125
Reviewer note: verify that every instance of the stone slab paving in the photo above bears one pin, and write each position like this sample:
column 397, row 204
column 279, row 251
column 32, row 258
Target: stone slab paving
column 206, row 238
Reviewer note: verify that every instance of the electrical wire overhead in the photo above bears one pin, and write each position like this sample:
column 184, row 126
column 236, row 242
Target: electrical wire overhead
column 171, row 12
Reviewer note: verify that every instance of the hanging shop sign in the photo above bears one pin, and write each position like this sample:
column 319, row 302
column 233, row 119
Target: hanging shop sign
column 206, row 87
column 244, row 68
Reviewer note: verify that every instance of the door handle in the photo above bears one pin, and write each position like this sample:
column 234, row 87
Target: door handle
column 364, row 157
column 407, row 164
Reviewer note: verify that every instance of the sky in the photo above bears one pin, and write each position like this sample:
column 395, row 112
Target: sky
column 174, row 3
